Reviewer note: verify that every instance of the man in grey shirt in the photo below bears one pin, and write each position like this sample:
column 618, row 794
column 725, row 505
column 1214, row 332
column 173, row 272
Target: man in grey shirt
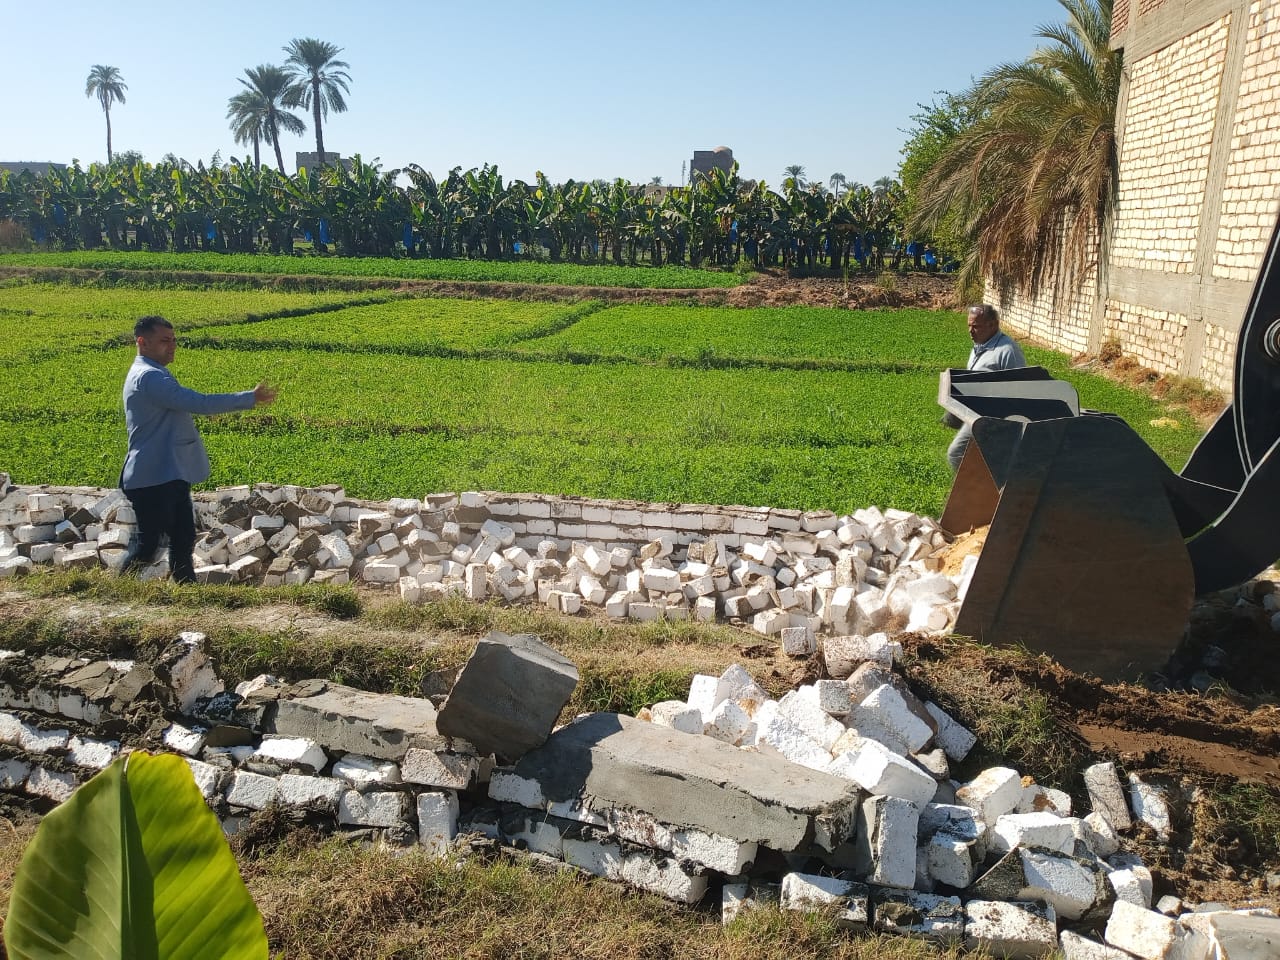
column 166, row 455
column 992, row 350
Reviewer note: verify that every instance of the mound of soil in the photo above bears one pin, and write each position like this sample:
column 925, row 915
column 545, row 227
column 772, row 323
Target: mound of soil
column 927, row 291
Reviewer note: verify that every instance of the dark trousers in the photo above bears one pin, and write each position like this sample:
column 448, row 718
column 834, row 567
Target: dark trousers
column 165, row 508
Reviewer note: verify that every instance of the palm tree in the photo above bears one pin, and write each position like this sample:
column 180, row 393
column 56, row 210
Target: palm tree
column 1032, row 179
column 271, row 83
column 655, row 181
column 107, row 83
column 317, row 80
column 795, row 172
column 247, row 111
column 837, row 181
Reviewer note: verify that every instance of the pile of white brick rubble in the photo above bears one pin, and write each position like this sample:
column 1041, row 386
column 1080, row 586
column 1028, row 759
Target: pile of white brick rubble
column 837, row 797
column 785, row 572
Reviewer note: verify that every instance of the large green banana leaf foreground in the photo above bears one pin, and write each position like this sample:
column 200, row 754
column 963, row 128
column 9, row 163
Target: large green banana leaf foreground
column 133, row 866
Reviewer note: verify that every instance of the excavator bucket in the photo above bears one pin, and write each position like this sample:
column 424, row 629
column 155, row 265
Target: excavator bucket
column 1096, row 549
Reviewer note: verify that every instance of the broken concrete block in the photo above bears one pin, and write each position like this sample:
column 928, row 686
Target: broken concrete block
column 34, row 740
column 949, row 859
column 1047, row 830
column 1073, row 886
column 185, row 670
column 1230, row 935
column 1076, row 947
column 434, row 769
column 953, row 737
column 1143, row 933
column 365, row 772
column 346, row 720
column 208, row 777
column 797, row 641
column 698, row 782
column 993, row 793
column 906, row 913
column 13, row 773
column 292, row 752
column 1098, row 834
column 847, row 900
column 1150, row 806
column 51, row 784
column 883, row 773
column 251, row 790
column 437, row 821
column 677, row 715
column 801, row 708
column 372, row 809
column 300, row 791
column 1038, row 799
column 96, row 754
column 885, row 844
column 728, row 722
column 1021, row 930
column 508, row 695
column 1106, row 795
column 833, row 697
column 886, row 712
column 1129, row 886
column 781, row 737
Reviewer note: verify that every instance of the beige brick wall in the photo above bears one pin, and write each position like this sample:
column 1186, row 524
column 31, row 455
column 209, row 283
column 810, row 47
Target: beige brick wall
column 1119, row 18
column 1217, row 358
column 1055, row 318
column 1154, row 338
column 1146, row 6
column 1164, row 160
column 1251, row 192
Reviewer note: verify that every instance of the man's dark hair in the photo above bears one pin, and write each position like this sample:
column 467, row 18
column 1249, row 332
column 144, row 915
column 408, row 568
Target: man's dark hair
column 147, row 325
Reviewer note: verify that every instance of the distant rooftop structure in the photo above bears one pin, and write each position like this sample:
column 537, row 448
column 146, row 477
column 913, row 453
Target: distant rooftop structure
column 311, row 160
column 704, row 161
column 36, row 167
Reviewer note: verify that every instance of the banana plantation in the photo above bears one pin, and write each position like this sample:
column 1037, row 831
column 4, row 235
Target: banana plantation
column 717, row 221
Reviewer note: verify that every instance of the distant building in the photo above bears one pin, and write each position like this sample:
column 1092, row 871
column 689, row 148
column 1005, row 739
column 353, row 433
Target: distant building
column 37, row 168
column 311, row 160
column 704, row 161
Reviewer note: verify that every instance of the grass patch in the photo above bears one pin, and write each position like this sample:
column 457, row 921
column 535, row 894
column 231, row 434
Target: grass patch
column 1247, row 814
column 337, row 899
column 567, row 274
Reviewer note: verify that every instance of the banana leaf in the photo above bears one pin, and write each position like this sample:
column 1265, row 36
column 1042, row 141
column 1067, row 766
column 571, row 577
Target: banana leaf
column 132, row 867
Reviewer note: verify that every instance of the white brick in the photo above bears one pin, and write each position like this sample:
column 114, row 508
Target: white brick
column 252, row 790
column 13, row 773
column 728, row 722
column 954, row 738
column 446, row 770
column 801, row 707
column 51, row 784
column 848, row 902
column 297, row 790
column 1106, row 795
column 1017, row 930
column 1044, row 829
column 96, row 754
column 364, row 772
column 184, row 740
column 993, row 793
column 881, row 772
column 1076, row 947
column 886, row 841
column 782, row 737
column 678, row 716
column 1150, row 806
column 34, row 740
column 207, row 777
column 292, row 751
column 372, row 809
column 1142, row 932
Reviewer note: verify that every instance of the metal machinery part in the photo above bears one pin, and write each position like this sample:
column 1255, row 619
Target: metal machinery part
column 1096, row 548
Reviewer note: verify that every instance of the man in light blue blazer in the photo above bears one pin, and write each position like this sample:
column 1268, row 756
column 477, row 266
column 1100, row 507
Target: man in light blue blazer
column 166, row 455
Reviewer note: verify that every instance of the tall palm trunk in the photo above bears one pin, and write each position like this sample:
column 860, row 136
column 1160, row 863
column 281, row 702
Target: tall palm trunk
column 315, row 114
column 107, row 112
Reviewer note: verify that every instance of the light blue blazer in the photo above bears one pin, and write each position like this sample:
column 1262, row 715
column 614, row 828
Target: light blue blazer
column 163, row 442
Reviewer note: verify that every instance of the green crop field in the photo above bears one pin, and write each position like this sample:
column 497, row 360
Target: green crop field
column 406, row 325
column 798, row 407
column 36, row 318
column 522, row 271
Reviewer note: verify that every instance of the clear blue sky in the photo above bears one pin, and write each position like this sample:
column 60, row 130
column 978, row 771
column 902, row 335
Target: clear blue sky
column 576, row 89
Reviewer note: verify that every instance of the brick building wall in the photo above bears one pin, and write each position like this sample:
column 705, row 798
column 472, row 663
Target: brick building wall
column 1198, row 126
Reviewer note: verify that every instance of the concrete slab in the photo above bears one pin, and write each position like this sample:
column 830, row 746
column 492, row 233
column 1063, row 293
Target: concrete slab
column 508, row 695
column 348, row 720
column 690, row 782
